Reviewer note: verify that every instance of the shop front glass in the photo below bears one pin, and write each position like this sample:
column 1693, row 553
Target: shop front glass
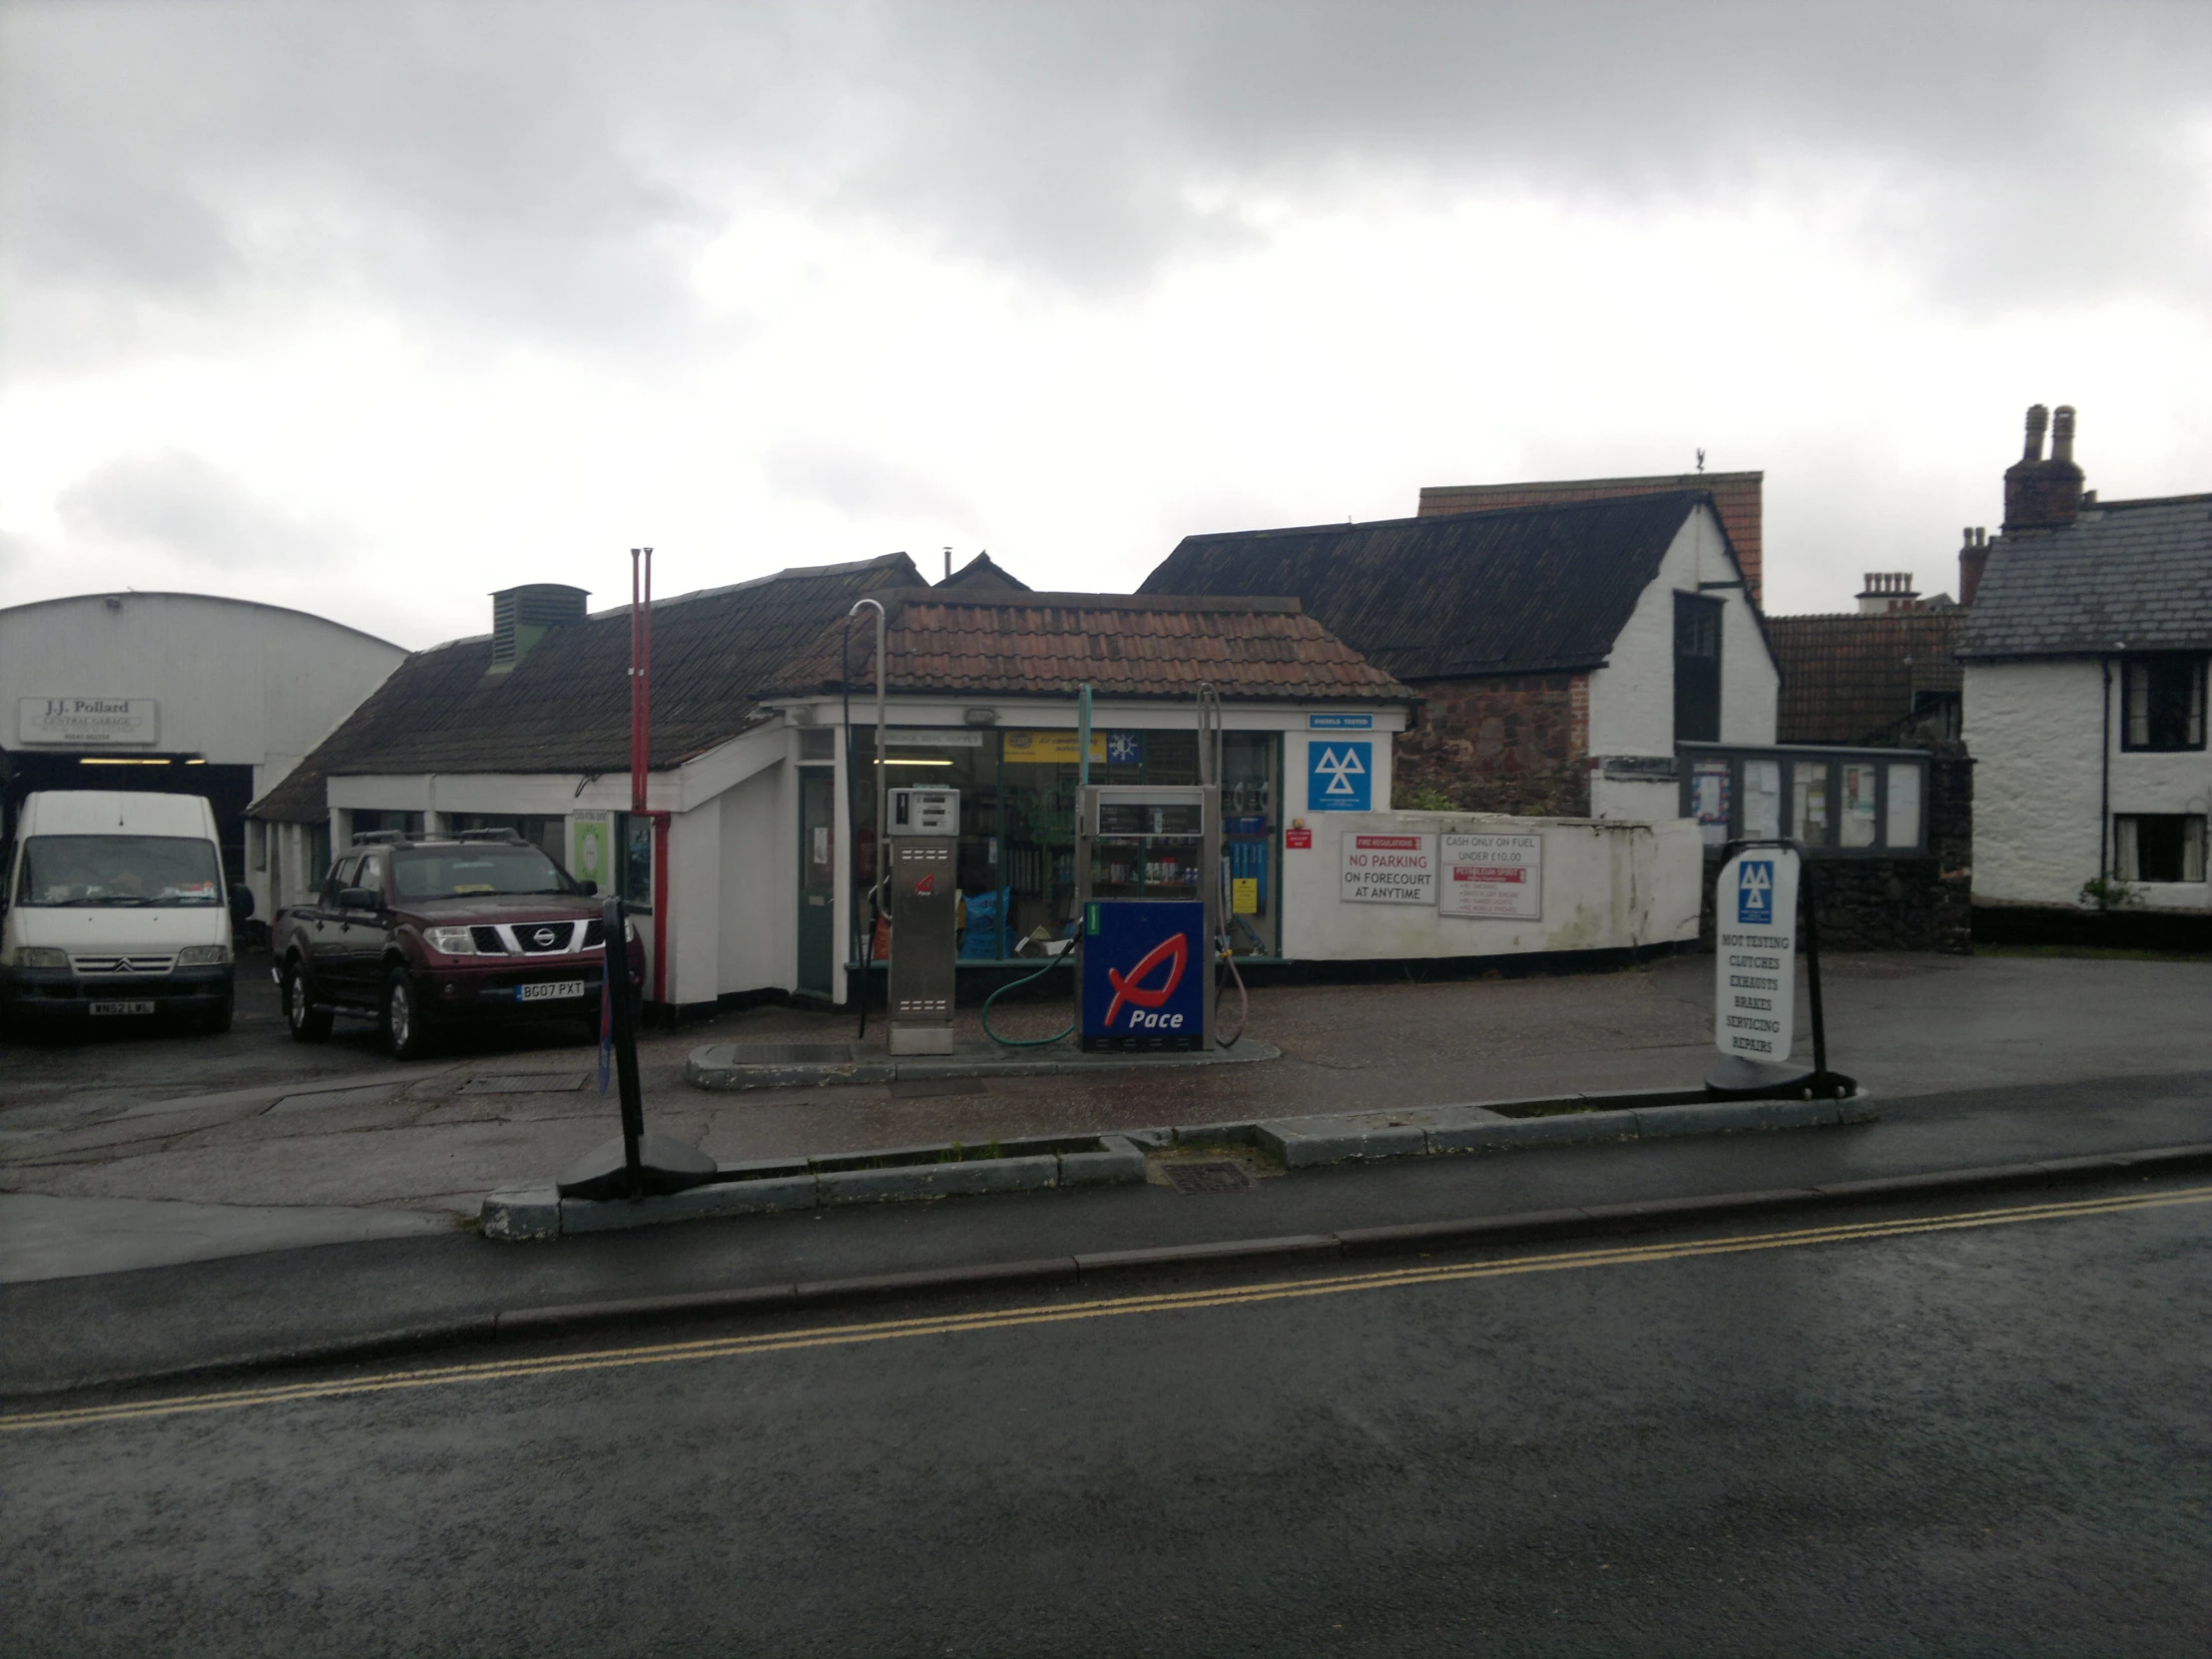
column 1017, row 821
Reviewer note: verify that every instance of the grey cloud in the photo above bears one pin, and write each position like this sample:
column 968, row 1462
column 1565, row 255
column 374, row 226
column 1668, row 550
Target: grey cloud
column 526, row 168
column 861, row 485
column 182, row 505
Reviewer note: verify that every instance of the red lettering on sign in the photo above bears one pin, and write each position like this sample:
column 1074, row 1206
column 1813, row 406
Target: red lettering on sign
column 1297, row 838
column 1488, row 872
column 1397, row 843
column 1175, row 949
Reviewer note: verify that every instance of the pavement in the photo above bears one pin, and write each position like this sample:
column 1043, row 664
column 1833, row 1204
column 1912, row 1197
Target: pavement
column 248, row 1141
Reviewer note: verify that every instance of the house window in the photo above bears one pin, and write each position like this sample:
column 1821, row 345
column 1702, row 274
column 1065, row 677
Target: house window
column 2159, row 846
column 2162, row 703
column 1697, row 668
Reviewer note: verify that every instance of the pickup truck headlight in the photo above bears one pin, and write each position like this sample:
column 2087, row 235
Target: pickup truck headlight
column 203, row 955
column 451, row 941
column 40, row 957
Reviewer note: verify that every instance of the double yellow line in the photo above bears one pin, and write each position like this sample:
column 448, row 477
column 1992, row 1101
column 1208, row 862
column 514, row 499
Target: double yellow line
column 839, row 1336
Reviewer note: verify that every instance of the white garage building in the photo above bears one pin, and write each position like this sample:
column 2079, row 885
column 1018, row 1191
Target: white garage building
column 181, row 692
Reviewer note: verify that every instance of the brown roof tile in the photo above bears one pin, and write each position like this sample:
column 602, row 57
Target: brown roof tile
column 1846, row 678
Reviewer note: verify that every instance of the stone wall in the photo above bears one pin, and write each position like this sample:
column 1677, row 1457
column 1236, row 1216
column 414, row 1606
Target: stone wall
column 1920, row 903
column 1513, row 744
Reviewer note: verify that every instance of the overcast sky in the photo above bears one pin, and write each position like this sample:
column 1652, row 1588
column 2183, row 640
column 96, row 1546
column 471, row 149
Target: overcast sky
column 373, row 308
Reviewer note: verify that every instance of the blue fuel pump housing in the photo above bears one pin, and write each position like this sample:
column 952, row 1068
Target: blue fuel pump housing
column 1149, row 878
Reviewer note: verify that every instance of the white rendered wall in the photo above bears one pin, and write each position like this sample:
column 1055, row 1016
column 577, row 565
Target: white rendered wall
column 1632, row 695
column 1606, row 885
column 2039, row 783
column 2033, row 731
column 760, row 890
column 694, row 906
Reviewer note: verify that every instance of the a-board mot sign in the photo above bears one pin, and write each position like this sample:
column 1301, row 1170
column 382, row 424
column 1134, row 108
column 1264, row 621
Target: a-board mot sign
column 1388, row 869
column 1755, row 960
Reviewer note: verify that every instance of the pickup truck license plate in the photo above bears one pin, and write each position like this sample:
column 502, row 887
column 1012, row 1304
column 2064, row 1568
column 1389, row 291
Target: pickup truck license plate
column 551, row 991
column 123, row 1007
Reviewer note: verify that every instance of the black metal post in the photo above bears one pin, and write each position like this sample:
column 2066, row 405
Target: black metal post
column 1808, row 923
column 619, row 986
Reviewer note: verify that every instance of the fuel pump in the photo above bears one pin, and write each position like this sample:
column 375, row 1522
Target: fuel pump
column 1147, row 880
column 922, row 835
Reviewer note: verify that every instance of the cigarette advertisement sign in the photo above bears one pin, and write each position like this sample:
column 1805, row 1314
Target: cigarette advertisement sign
column 1755, row 964
column 1494, row 876
column 1388, row 869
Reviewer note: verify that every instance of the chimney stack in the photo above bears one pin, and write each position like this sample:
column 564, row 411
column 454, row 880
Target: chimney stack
column 1974, row 553
column 2040, row 494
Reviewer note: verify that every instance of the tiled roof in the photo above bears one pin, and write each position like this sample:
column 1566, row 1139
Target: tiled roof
column 1523, row 590
column 982, row 573
column 1848, row 679
column 1123, row 645
column 2125, row 575
column 1737, row 496
column 565, row 708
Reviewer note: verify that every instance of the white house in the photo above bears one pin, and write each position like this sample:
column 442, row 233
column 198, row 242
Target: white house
column 1561, row 648
column 175, row 692
column 2085, row 650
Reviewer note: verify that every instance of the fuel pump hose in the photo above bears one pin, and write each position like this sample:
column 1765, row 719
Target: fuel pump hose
column 1051, row 962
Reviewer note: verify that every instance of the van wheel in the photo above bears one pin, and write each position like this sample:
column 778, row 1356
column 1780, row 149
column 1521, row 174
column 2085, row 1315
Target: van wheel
column 309, row 1023
column 407, row 1032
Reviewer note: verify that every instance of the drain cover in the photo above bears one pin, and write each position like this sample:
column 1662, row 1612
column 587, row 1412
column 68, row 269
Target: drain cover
column 789, row 1054
column 528, row 1082
column 1208, row 1178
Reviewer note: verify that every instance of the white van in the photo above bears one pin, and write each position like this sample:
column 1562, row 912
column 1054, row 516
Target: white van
column 114, row 907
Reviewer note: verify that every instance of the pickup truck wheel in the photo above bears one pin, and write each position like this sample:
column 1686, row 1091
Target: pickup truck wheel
column 308, row 1024
column 407, row 1032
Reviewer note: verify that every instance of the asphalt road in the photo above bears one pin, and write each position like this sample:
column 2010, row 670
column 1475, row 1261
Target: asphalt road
column 1970, row 1429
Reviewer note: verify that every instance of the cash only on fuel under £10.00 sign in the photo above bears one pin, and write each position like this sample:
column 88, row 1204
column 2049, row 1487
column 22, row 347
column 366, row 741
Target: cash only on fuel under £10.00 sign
column 1755, row 924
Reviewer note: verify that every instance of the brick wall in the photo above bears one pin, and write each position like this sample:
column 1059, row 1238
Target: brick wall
column 1513, row 744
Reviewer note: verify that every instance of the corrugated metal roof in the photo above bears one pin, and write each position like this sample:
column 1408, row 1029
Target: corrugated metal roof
column 1123, row 645
column 2125, row 575
column 1846, row 678
column 1516, row 591
column 565, row 708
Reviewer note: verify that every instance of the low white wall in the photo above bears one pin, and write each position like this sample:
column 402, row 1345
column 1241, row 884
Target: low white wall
column 1605, row 885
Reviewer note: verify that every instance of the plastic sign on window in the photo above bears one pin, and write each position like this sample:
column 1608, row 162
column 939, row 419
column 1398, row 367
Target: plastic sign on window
column 1341, row 776
column 1755, row 958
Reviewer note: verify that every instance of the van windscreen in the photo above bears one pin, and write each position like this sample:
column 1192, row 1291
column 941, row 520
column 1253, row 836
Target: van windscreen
column 73, row 871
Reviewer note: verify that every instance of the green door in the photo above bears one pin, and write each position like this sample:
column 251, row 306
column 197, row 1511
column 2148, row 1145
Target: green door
column 817, row 880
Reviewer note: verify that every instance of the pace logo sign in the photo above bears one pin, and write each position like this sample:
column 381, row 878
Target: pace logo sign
column 1754, row 966
column 1143, row 973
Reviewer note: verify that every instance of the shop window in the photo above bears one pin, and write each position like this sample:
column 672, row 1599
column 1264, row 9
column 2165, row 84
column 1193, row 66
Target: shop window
column 318, row 854
column 1809, row 803
column 1841, row 803
column 634, row 872
column 2159, row 846
column 368, row 819
column 2162, row 703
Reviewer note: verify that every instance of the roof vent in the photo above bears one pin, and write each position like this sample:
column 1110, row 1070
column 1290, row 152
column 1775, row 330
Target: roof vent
column 520, row 617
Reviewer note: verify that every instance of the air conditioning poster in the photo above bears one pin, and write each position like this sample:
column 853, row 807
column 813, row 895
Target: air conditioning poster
column 1388, row 869
column 1492, row 875
column 1754, row 971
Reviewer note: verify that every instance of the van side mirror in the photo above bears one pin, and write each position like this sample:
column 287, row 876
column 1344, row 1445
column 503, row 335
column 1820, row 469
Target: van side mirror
column 242, row 904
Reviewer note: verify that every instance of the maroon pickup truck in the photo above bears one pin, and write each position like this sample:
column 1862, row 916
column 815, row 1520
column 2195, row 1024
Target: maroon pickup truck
column 418, row 933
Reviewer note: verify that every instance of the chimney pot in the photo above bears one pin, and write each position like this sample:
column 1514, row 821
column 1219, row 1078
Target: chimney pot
column 2062, row 432
column 2037, row 418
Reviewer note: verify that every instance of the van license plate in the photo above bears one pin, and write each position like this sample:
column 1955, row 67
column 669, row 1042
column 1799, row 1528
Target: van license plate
column 123, row 1007
column 551, row 991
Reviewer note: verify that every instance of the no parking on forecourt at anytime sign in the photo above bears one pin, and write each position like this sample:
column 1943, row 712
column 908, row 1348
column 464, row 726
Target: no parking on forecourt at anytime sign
column 1388, row 869
column 1755, row 964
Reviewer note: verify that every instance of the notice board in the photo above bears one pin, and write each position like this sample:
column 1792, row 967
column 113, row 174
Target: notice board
column 1494, row 876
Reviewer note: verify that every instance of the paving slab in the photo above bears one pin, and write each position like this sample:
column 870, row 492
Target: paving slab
column 43, row 1237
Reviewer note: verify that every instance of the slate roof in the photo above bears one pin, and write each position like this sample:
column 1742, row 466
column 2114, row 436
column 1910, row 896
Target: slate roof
column 981, row 572
column 2125, row 575
column 1516, row 591
column 1848, row 679
column 1739, row 498
column 1128, row 646
column 565, row 707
